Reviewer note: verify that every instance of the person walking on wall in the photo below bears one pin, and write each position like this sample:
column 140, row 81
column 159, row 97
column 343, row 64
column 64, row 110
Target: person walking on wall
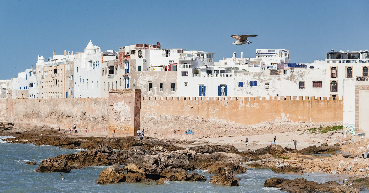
column 143, row 133
column 295, row 143
column 275, row 138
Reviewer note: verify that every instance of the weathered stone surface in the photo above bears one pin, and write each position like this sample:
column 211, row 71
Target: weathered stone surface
column 302, row 185
column 226, row 178
column 181, row 175
column 218, row 168
column 54, row 165
column 214, row 148
column 111, row 175
column 30, row 163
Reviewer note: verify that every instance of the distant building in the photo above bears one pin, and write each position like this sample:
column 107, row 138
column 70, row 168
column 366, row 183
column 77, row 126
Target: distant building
column 88, row 71
column 55, row 77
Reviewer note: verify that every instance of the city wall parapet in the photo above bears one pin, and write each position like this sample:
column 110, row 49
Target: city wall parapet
column 213, row 116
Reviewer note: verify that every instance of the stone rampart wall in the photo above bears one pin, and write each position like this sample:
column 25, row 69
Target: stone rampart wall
column 85, row 113
column 214, row 116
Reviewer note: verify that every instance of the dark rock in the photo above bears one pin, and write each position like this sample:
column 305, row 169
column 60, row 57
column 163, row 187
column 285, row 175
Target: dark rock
column 226, row 179
column 30, row 163
column 214, row 148
column 54, row 165
column 111, row 175
column 302, row 185
column 218, row 168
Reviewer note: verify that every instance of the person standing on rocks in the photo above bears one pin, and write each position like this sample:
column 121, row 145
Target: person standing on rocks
column 138, row 133
column 275, row 138
column 295, row 143
column 75, row 128
column 247, row 140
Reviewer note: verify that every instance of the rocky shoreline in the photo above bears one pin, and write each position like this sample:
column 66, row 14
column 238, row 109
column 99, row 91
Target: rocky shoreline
column 158, row 160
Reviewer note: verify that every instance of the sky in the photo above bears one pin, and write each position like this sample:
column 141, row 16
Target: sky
column 308, row 29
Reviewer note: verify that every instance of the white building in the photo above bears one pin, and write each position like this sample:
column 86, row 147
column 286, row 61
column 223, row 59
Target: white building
column 88, row 71
column 345, row 65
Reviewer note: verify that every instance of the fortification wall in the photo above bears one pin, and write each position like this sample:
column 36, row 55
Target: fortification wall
column 120, row 112
column 214, row 116
column 84, row 112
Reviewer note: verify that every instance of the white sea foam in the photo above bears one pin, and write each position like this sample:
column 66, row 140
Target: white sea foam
column 5, row 137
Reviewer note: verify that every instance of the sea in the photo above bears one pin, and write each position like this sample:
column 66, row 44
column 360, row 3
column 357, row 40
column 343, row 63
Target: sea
column 16, row 176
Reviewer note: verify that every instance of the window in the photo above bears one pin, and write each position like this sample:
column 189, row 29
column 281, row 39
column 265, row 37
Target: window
column 139, row 68
column 365, row 71
column 202, row 90
column 184, row 73
column 185, row 83
column 126, row 82
column 301, row 85
column 55, row 71
column 267, row 85
column 317, row 84
column 173, row 87
column 333, row 86
column 253, row 83
column 349, row 72
column 150, row 86
column 222, row 90
column 77, row 69
column 161, row 87
column 126, row 67
column 333, row 72
column 139, row 54
column 111, row 69
column 120, row 81
column 240, row 84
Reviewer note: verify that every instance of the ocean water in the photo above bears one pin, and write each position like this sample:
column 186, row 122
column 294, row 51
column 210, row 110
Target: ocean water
column 16, row 176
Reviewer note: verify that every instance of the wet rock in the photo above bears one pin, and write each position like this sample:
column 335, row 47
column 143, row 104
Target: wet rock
column 226, row 179
column 30, row 163
column 287, row 169
column 110, row 175
column 214, row 148
column 104, row 148
column 302, row 185
column 218, row 168
column 133, row 168
column 161, row 181
column 54, row 165
column 181, row 175
column 323, row 149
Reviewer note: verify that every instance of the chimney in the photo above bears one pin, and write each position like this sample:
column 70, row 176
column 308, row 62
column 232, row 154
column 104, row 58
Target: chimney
column 54, row 53
column 72, row 52
column 65, row 52
column 68, row 52
column 241, row 55
column 234, row 54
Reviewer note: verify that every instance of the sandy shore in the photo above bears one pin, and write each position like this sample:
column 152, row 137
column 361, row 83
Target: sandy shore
column 284, row 139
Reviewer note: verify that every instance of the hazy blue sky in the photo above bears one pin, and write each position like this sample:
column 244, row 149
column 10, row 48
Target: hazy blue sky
column 309, row 29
